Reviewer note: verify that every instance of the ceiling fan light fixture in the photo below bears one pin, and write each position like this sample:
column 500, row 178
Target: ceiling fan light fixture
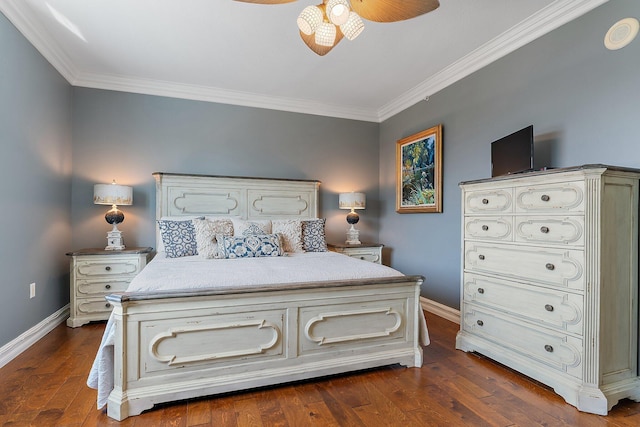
column 353, row 27
column 338, row 11
column 326, row 34
column 309, row 19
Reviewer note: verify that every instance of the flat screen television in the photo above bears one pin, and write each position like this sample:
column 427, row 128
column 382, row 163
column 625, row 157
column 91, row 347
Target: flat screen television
column 513, row 153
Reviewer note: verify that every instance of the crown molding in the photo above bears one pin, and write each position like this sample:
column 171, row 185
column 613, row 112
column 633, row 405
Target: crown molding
column 223, row 96
column 14, row 11
column 547, row 19
column 544, row 21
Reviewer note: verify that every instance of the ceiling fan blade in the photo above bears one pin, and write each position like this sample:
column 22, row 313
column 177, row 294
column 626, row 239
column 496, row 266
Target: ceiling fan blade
column 392, row 10
column 310, row 41
column 267, row 1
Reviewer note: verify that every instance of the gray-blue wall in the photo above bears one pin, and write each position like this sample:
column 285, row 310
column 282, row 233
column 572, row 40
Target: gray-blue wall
column 582, row 100
column 35, row 194
column 128, row 137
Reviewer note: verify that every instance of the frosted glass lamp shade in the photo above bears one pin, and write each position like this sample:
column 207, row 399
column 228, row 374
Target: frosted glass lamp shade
column 326, row 34
column 353, row 27
column 309, row 19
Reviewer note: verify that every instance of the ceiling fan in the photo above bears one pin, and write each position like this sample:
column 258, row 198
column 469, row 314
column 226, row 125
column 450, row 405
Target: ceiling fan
column 323, row 26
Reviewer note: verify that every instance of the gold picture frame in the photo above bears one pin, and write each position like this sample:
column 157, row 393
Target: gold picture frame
column 419, row 172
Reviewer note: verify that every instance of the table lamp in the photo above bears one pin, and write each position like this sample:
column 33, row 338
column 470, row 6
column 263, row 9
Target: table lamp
column 114, row 195
column 352, row 201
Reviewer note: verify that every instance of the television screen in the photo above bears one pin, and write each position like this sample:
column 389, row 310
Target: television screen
column 513, row 153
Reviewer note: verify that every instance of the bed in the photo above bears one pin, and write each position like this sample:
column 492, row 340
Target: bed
column 227, row 330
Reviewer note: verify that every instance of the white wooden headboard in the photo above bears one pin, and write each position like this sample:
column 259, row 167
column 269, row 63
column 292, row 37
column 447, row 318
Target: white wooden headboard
column 246, row 198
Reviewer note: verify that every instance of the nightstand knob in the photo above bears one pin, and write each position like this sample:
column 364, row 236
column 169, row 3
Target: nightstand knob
column 548, row 307
column 544, row 229
column 485, row 227
column 107, row 305
column 545, row 198
column 485, row 201
column 107, row 268
column 481, row 257
column 550, row 267
column 481, row 290
column 548, row 348
column 480, row 322
column 107, row 286
column 362, row 257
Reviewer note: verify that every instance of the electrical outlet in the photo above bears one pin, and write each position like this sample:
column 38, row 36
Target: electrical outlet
column 32, row 290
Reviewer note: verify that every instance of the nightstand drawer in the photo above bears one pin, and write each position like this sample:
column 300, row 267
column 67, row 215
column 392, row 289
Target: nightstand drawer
column 94, row 306
column 89, row 288
column 371, row 252
column 107, row 267
column 364, row 255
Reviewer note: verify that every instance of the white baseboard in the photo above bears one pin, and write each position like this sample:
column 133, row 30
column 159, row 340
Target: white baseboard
column 11, row 350
column 441, row 310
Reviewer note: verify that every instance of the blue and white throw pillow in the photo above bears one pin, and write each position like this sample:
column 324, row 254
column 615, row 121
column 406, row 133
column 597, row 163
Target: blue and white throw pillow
column 313, row 238
column 256, row 245
column 178, row 238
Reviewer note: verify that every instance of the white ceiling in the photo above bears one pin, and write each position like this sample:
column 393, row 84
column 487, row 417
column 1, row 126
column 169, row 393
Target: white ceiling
column 249, row 54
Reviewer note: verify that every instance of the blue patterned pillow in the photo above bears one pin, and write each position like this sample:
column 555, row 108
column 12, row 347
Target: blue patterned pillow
column 178, row 238
column 257, row 245
column 313, row 239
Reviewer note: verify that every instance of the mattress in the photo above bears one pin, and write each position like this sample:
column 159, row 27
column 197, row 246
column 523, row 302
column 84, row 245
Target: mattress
column 191, row 273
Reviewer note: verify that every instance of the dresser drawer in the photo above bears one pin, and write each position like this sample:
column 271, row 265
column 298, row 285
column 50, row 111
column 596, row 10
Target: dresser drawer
column 93, row 306
column 548, row 307
column 550, row 230
column 89, row 288
column 554, row 349
column 551, row 198
column 107, row 267
column 488, row 228
column 555, row 267
column 489, row 201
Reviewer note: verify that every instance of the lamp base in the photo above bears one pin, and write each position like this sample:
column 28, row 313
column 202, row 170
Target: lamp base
column 114, row 241
column 353, row 236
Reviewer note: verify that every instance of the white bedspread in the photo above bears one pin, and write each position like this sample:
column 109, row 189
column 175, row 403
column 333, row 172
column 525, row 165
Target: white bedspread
column 197, row 273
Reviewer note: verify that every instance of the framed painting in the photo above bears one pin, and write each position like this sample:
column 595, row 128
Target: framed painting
column 419, row 172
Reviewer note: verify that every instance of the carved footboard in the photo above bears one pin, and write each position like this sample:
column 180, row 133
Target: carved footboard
column 173, row 346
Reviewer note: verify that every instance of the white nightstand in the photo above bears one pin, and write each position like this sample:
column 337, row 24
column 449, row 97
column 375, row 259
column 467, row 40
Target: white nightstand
column 371, row 252
column 96, row 273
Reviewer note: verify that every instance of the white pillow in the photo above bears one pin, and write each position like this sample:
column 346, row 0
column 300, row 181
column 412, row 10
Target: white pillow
column 206, row 230
column 242, row 227
column 291, row 231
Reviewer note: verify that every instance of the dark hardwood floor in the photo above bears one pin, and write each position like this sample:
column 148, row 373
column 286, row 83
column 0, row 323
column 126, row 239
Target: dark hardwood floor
column 45, row 386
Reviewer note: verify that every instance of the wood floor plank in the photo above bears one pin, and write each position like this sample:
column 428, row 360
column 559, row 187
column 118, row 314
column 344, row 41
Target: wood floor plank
column 46, row 386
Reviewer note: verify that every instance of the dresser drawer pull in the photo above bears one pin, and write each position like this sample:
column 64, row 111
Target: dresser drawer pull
column 548, row 348
column 485, row 201
column 544, row 229
column 481, row 290
column 481, row 257
column 485, row 228
column 107, row 305
column 107, row 286
column 550, row 266
column 107, row 268
column 545, row 198
column 548, row 307
column 480, row 322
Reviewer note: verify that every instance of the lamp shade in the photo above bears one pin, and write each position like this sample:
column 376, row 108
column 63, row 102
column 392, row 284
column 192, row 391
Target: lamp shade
column 352, row 201
column 112, row 194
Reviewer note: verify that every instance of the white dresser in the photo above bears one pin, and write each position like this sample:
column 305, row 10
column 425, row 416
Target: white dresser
column 550, row 279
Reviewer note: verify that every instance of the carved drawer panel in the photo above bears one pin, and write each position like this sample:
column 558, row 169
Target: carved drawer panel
column 89, row 288
column 328, row 327
column 554, row 349
column 489, row 201
column 550, row 230
column 94, row 306
column 549, row 307
column 551, row 198
column 555, row 267
column 488, row 228
column 107, row 267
